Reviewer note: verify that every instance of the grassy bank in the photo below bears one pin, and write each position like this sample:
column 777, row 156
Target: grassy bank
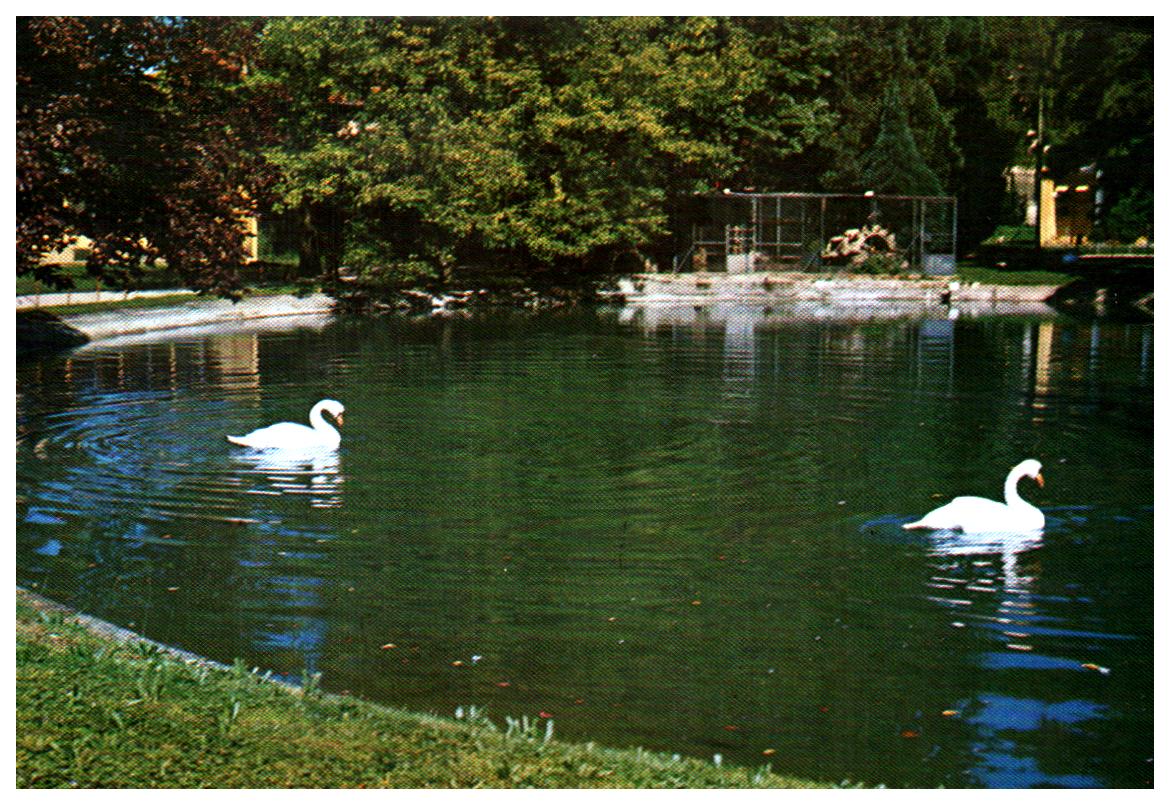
column 271, row 273
column 972, row 272
column 94, row 712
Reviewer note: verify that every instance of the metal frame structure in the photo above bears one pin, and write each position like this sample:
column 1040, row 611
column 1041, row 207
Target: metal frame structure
column 748, row 232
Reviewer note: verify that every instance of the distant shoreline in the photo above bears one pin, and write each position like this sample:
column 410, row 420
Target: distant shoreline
column 792, row 294
column 847, row 290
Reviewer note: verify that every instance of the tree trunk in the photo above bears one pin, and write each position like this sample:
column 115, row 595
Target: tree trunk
column 308, row 241
column 322, row 240
column 332, row 241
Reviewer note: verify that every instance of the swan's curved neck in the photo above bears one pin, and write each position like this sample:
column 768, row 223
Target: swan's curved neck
column 318, row 422
column 1011, row 495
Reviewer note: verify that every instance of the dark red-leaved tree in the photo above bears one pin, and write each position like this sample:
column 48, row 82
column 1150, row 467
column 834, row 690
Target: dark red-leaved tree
column 141, row 135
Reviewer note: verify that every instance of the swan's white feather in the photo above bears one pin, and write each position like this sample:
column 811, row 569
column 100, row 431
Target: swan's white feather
column 976, row 515
column 291, row 435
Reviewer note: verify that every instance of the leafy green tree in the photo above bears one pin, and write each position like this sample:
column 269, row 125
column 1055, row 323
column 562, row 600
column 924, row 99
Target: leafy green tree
column 534, row 142
column 409, row 147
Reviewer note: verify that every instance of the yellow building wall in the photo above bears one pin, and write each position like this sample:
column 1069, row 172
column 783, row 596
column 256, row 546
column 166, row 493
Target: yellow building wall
column 252, row 239
column 1047, row 212
column 1066, row 213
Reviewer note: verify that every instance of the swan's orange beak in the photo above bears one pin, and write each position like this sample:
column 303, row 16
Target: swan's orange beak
column 341, row 421
column 1040, row 479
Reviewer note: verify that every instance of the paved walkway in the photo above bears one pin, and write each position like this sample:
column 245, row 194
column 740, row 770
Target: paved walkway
column 33, row 301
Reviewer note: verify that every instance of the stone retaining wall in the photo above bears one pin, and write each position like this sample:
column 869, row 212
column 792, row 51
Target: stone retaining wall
column 200, row 313
column 699, row 288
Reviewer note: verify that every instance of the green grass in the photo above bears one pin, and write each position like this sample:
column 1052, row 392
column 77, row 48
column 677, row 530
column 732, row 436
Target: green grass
column 153, row 279
column 76, row 271
column 995, row 276
column 169, row 300
column 92, row 712
column 1011, row 234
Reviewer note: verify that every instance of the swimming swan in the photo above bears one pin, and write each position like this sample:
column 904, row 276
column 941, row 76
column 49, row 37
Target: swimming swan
column 290, row 435
column 980, row 515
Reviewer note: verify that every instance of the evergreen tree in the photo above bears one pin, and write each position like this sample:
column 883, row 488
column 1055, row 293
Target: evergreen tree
column 893, row 164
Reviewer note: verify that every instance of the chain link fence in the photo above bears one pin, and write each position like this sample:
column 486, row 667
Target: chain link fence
column 819, row 232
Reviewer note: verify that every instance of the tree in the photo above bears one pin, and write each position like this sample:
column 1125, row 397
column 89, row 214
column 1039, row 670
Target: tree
column 138, row 134
column 1089, row 81
column 893, row 164
column 872, row 57
column 525, row 142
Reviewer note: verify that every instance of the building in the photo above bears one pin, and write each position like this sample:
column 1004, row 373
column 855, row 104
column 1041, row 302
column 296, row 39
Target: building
column 1068, row 206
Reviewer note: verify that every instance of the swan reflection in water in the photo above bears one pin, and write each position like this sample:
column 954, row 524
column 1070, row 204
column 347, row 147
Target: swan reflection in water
column 315, row 472
column 965, row 575
column 977, row 527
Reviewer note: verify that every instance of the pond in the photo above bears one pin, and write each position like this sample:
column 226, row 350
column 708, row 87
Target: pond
column 670, row 528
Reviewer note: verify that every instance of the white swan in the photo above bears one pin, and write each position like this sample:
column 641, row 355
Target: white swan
column 290, row 435
column 983, row 516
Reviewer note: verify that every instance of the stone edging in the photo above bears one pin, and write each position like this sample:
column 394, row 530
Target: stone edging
column 118, row 634
column 200, row 313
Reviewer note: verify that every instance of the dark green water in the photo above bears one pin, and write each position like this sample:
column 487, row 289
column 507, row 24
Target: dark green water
column 665, row 530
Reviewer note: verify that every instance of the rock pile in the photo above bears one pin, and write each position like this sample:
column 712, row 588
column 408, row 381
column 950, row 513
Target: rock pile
column 855, row 246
